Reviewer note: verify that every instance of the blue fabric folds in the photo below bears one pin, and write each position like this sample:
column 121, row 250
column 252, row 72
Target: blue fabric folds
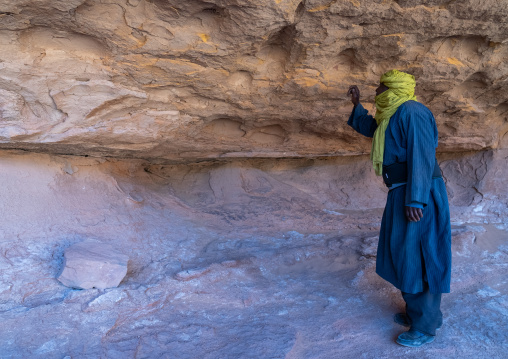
column 406, row 250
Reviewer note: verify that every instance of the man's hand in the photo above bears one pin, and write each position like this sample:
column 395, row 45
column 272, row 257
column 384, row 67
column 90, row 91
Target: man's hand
column 413, row 214
column 354, row 92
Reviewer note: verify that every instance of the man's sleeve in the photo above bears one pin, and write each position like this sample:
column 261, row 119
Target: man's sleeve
column 416, row 205
column 421, row 153
column 362, row 122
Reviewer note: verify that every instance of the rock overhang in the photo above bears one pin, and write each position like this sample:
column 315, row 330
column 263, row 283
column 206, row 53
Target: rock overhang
column 200, row 80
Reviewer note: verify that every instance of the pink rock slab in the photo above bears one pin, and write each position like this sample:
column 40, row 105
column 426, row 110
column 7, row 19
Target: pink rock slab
column 91, row 264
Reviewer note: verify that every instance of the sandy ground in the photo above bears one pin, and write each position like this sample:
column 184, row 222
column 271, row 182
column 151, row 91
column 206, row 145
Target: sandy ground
column 281, row 276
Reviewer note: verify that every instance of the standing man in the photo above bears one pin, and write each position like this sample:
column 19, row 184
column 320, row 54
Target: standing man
column 414, row 250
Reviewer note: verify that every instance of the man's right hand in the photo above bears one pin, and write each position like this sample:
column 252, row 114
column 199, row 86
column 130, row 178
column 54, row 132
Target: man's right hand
column 413, row 214
column 354, row 92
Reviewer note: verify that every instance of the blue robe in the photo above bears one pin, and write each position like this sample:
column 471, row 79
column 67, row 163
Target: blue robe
column 410, row 252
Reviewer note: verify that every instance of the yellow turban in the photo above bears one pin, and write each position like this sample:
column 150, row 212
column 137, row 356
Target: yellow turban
column 401, row 88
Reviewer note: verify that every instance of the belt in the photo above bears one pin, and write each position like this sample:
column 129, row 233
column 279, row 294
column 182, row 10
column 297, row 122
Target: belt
column 397, row 173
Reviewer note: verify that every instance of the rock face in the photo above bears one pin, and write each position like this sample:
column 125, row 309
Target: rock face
column 207, row 141
column 92, row 264
column 198, row 79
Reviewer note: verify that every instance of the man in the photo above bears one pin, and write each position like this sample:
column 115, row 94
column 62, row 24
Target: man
column 414, row 250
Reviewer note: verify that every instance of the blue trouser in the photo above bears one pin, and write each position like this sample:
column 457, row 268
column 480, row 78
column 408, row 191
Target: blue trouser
column 423, row 310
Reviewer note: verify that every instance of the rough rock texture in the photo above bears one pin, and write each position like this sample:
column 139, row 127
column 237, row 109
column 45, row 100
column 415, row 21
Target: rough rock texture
column 204, row 79
column 90, row 264
column 207, row 141
column 246, row 259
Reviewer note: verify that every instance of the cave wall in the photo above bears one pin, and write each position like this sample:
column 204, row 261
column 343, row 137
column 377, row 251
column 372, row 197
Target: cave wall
column 234, row 259
column 207, row 141
column 66, row 198
column 181, row 81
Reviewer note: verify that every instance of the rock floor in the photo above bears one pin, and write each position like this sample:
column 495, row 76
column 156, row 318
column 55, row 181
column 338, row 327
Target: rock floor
column 296, row 296
column 201, row 286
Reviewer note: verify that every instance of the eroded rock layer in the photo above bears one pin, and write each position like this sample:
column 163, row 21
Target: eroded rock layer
column 266, row 258
column 212, row 149
column 206, row 79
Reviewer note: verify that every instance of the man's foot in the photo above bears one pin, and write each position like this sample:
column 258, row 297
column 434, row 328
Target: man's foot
column 413, row 338
column 402, row 319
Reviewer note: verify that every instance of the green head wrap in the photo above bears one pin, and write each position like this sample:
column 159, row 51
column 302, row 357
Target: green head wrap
column 401, row 88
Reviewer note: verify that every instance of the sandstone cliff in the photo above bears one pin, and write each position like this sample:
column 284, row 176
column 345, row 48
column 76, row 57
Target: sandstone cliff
column 207, row 79
column 207, row 141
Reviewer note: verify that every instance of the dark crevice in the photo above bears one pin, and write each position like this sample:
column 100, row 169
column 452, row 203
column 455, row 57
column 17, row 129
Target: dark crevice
column 285, row 39
column 300, row 10
column 481, row 78
column 214, row 10
column 349, row 58
column 177, row 9
column 429, row 3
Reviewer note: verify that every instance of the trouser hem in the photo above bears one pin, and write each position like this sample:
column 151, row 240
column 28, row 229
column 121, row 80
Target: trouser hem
column 423, row 331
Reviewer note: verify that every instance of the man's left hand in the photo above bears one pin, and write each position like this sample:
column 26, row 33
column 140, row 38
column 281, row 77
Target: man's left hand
column 413, row 214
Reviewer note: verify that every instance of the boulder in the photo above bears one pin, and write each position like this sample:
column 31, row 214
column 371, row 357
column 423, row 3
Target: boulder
column 91, row 264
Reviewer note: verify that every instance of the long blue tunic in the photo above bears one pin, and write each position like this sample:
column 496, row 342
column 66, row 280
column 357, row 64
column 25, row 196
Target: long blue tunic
column 410, row 252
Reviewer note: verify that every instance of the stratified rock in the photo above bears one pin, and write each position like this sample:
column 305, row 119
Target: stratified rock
column 184, row 80
column 92, row 264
